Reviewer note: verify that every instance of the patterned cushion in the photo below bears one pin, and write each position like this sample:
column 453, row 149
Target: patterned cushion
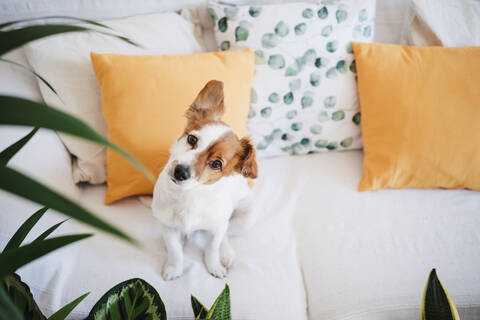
column 304, row 97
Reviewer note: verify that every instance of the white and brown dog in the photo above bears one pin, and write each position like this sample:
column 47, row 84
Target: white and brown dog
column 203, row 183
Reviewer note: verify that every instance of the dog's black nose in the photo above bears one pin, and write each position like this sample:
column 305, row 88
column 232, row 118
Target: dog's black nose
column 181, row 173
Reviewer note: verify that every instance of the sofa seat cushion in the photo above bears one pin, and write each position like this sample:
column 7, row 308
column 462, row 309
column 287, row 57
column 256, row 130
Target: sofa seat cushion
column 265, row 280
column 366, row 255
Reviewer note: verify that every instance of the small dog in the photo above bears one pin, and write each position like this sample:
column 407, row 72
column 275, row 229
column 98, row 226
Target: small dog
column 204, row 181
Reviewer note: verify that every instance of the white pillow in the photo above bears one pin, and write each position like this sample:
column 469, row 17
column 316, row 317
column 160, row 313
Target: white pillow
column 443, row 22
column 304, row 97
column 64, row 61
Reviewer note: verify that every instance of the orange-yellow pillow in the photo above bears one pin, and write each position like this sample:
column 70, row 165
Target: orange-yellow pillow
column 144, row 99
column 420, row 116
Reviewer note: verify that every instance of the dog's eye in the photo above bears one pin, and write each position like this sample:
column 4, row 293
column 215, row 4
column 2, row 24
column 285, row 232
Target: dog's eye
column 216, row 164
column 192, row 140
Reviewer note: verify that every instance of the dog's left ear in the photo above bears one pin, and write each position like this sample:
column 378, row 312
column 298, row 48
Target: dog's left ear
column 247, row 165
column 209, row 103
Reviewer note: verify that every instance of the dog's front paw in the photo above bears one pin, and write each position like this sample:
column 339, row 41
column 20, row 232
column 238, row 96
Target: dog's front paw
column 227, row 255
column 172, row 271
column 217, row 269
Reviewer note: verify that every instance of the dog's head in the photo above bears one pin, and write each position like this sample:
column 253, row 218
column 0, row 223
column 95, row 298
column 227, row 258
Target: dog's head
column 209, row 150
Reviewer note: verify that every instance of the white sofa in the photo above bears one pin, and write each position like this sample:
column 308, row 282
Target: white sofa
column 319, row 249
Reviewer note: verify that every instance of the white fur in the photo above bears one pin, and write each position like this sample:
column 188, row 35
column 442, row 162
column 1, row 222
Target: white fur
column 191, row 206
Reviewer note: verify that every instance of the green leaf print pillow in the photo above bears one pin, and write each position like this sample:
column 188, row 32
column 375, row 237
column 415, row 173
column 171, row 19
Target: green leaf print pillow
column 304, row 96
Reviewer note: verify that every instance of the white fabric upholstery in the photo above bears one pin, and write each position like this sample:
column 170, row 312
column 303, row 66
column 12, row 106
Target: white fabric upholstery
column 443, row 22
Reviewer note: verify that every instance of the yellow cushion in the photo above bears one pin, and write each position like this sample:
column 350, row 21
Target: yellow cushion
column 144, row 99
column 420, row 116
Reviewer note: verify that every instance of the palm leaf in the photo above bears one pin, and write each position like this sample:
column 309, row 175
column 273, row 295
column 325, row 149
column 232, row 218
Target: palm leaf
column 8, row 311
column 12, row 150
column 31, row 71
column 436, row 302
column 24, row 229
column 24, row 112
column 12, row 39
column 47, row 232
column 65, row 311
column 98, row 24
column 19, row 294
column 19, row 184
column 220, row 309
column 199, row 310
column 131, row 299
column 13, row 259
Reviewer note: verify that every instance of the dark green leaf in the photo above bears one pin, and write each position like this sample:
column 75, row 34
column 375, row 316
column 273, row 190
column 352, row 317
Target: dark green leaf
column 8, row 311
column 24, row 112
column 131, row 299
column 199, row 311
column 223, row 24
column 12, row 150
column 19, row 184
column 24, row 229
column 19, row 294
column 13, row 259
column 12, row 39
column 98, row 24
column 65, row 311
column 436, row 303
column 49, row 231
column 221, row 307
column 31, row 71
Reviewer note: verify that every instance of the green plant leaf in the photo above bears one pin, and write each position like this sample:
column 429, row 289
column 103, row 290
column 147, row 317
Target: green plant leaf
column 436, row 302
column 98, row 24
column 47, row 232
column 13, row 259
column 19, row 184
column 8, row 310
column 12, row 150
column 65, row 310
column 199, row 311
column 220, row 309
column 223, row 24
column 20, row 296
column 24, row 112
column 16, row 38
column 24, row 229
column 32, row 72
column 131, row 299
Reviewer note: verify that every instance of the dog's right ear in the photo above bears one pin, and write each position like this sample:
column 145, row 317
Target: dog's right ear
column 208, row 106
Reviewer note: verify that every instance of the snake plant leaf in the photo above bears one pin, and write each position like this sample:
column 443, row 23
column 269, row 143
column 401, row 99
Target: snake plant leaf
column 25, row 187
column 24, row 112
column 13, row 259
column 12, row 150
column 19, row 294
column 65, row 310
column 95, row 23
column 24, row 229
column 12, row 39
column 199, row 310
column 8, row 310
column 436, row 302
column 47, row 232
column 221, row 307
column 129, row 300
column 31, row 71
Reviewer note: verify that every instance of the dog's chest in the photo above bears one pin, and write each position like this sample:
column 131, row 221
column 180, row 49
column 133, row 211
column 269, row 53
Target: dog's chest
column 198, row 211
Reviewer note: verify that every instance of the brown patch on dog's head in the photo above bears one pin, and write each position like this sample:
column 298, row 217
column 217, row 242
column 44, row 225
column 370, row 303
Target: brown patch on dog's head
column 208, row 106
column 236, row 156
